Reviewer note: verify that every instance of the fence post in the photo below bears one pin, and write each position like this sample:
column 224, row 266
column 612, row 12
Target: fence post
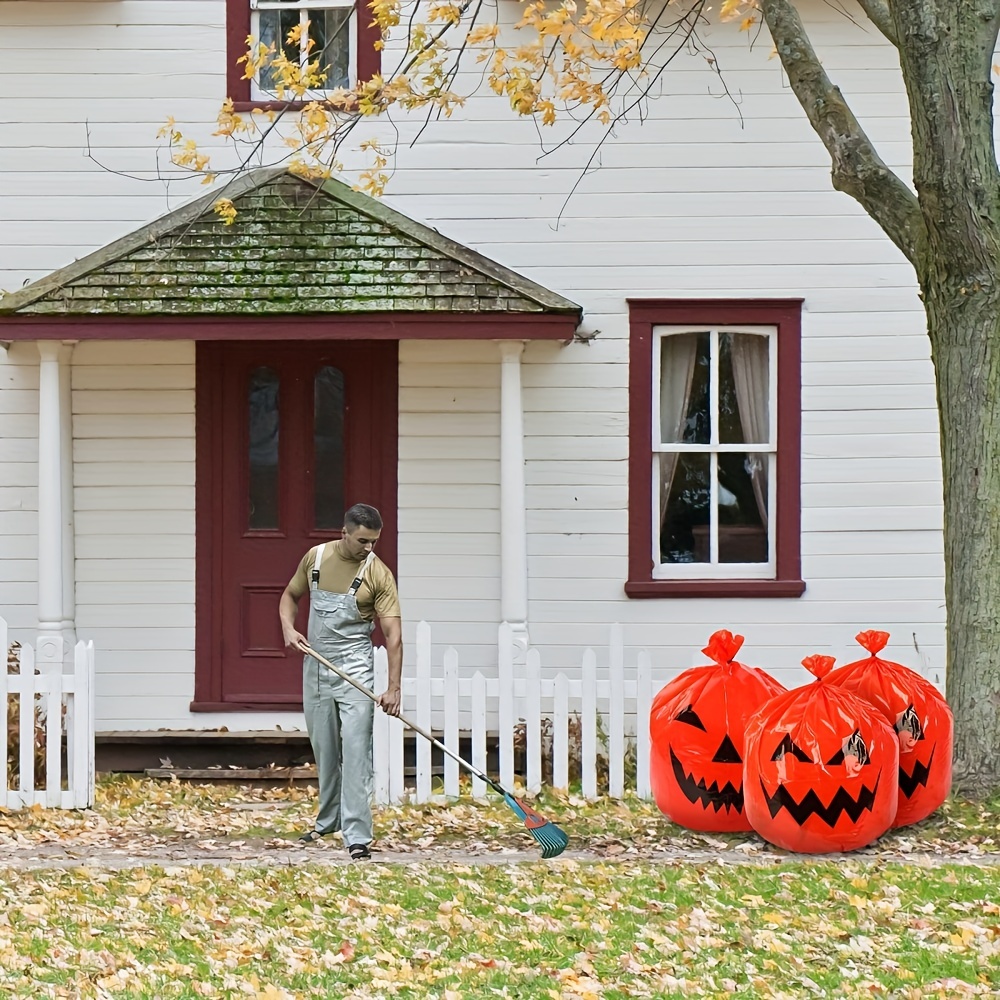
column 560, row 733
column 4, row 735
column 505, row 707
column 616, row 713
column 533, row 720
column 451, row 720
column 52, row 702
column 643, row 702
column 423, row 758
column 26, row 766
column 380, row 732
column 588, row 725
column 83, row 725
column 479, row 733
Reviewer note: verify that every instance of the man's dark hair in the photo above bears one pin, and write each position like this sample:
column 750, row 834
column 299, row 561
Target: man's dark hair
column 361, row 515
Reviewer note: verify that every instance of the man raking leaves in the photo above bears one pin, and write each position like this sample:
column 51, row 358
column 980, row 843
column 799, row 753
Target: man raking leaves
column 552, row 839
column 349, row 587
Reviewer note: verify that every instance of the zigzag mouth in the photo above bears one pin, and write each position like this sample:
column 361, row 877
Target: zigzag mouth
column 708, row 795
column 812, row 805
column 909, row 783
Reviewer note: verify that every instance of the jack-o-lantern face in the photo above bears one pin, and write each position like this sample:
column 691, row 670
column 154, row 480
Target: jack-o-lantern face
column 921, row 718
column 820, row 770
column 696, row 729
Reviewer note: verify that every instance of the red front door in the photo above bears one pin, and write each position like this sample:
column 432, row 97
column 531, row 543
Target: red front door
column 289, row 435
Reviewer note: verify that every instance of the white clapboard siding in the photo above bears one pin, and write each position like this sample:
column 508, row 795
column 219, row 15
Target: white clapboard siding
column 744, row 196
column 140, row 425
column 859, row 422
column 62, row 703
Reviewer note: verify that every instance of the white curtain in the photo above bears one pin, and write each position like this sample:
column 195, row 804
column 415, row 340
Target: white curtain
column 750, row 373
column 678, row 354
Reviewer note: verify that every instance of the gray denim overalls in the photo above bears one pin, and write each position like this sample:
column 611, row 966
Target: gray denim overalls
column 338, row 717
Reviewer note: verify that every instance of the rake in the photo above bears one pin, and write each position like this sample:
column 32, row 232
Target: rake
column 552, row 839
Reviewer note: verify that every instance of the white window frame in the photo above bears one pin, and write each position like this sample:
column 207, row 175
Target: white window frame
column 714, row 570
column 257, row 93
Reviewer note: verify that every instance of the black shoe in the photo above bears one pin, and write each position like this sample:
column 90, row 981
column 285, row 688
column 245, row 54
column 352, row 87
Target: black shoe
column 359, row 852
column 311, row 837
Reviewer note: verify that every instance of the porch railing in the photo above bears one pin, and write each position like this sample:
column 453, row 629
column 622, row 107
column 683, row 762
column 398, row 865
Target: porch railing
column 46, row 730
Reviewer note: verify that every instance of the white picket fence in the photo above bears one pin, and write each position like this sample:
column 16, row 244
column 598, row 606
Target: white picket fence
column 59, row 697
column 519, row 699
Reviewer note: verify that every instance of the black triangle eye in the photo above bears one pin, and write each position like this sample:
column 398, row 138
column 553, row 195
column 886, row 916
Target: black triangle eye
column 690, row 717
column 908, row 722
column 854, row 747
column 727, row 752
column 787, row 745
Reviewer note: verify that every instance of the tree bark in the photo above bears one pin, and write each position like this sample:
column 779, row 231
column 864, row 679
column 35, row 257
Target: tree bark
column 965, row 343
column 950, row 232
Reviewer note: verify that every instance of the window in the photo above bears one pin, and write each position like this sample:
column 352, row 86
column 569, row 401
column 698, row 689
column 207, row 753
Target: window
column 341, row 31
column 714, row 506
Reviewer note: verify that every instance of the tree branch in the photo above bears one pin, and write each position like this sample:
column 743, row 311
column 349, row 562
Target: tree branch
column 879, row 14
column 858, row 170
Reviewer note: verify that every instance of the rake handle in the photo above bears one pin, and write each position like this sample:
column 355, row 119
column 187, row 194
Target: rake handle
column 409, row 723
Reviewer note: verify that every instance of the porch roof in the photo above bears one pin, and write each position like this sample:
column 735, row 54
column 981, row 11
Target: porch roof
column 315, row 251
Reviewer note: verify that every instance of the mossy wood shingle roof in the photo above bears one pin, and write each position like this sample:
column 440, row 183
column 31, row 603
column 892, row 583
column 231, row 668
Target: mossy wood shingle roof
column 296, row 247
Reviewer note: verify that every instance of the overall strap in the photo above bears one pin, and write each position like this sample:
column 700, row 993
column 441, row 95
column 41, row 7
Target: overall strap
column 314, row 582
column 361, row 574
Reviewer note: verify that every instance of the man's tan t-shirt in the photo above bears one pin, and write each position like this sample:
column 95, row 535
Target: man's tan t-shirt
column 377, row 594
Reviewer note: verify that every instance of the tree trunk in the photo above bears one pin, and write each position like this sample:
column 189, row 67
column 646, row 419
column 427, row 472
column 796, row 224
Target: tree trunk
column 964, row 327
column 950, row 232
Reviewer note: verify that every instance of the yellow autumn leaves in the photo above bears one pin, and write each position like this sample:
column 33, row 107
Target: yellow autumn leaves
column 564, row 55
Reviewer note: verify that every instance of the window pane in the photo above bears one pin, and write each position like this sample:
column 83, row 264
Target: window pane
column 274, row 28
column 743, row 507
column 263, row 457
column 685, row 513
column 684, row 386
column 330, row 30
column 744, row 376
column 328, row 448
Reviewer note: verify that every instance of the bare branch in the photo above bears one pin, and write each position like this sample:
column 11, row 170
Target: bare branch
column 879, row 14
column 858, row 170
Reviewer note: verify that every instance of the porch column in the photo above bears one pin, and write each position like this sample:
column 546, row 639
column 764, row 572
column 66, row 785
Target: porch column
column 513, row 521
column 50, row 648
column 68, row 505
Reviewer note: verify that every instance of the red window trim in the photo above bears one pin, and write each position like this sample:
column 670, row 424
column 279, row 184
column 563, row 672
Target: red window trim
column 237, row 30
column 786, row 315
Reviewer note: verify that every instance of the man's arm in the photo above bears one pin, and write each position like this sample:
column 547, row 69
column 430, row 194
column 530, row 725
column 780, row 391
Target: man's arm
column 288, row 608
column 392, row 629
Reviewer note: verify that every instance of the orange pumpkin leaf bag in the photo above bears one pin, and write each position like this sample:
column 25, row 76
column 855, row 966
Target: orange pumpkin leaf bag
column 821, row 766
column 696, row 727
column 924, row 725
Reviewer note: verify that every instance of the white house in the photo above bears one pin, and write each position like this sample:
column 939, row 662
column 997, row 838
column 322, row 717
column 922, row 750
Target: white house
column 686, row 390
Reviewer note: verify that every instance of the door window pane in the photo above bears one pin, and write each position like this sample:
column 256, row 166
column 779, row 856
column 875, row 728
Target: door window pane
column 328, row 448
column 263, row 457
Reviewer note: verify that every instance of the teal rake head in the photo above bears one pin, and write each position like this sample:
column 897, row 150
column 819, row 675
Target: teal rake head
column 552, row 839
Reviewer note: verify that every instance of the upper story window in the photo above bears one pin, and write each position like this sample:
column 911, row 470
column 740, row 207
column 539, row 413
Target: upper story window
column 714, row 443
column 327, row 35
column 341, row 34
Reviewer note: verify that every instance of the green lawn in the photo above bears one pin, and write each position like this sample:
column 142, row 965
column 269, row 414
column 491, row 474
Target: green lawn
column 562, row 930
column 621, row 923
